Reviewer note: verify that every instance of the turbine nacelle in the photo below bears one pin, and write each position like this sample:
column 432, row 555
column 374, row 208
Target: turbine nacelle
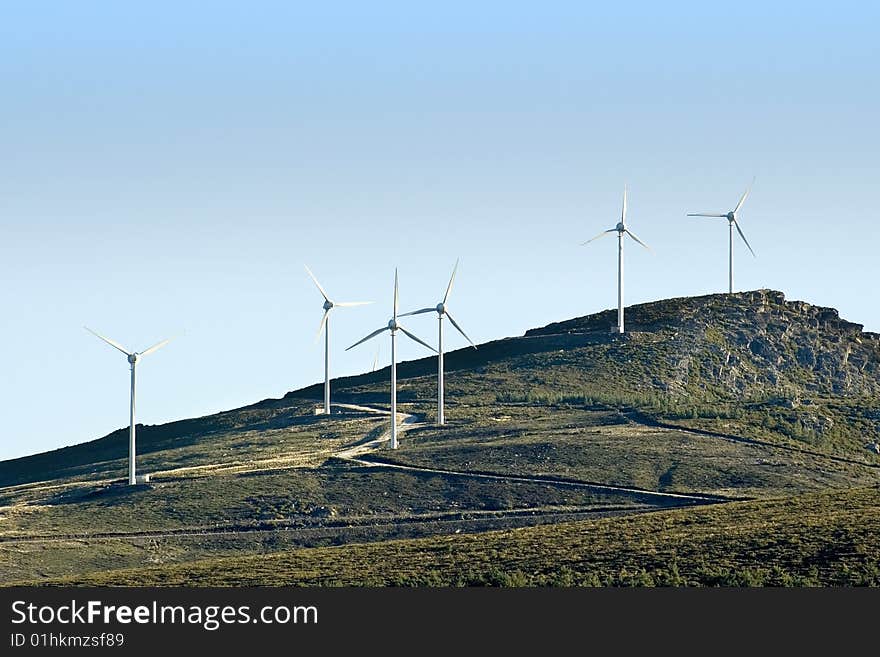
column 620, row 228
column 733, row 222
column 442, row 310
column 328, row 304
column 131, row 356
column 393, row 326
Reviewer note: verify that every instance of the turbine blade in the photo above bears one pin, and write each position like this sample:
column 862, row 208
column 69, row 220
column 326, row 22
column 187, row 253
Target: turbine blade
column 628, row 232
column 112, row 343
column 623, row 211
column 455, row 324
column 706, row 214
column 602, row 234
column 322, row 324
column 739, row 230
column 320, row 289
column 419, row 312
column 369, row 337
column 743, row 198
column 155, row 347
column 350, row 304
column 395, row 294
column 419, row 340
column 451, row 279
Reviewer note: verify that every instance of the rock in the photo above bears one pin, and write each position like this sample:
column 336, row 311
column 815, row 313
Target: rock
column 758, row 347
column 745, row 344
column 806, row 356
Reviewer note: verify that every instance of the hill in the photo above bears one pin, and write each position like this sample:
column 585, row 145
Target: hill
column 705, row 401
column 824, row 539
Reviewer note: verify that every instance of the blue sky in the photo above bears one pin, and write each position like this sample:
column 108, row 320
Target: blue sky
column 167, row 168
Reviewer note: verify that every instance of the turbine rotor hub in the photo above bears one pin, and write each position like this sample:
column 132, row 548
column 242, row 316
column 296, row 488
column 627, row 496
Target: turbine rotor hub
column 132, row 358
column 392, row 324
column 441, row 309
column 328, row 304
column 731, row 217
column 620, row 227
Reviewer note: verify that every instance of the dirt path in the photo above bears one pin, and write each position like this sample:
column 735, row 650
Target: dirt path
column 238, row 466
column 363, row 454
column 375, row 439
column 356, row 453
column 647, row 421
column 329, row 526
column 703, row 499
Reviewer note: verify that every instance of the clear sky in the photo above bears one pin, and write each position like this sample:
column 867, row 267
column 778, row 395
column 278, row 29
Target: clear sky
column 166, row 168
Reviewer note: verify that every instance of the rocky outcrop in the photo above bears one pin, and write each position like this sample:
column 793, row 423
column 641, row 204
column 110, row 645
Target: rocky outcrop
column 746, row 344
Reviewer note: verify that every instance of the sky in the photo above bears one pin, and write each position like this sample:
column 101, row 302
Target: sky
column 166, row 169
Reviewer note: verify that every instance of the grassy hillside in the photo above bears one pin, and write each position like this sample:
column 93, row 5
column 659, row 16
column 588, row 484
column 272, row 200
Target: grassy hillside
column 723, row 397
column 811, row 540
column 750, row 364
column 587, row 444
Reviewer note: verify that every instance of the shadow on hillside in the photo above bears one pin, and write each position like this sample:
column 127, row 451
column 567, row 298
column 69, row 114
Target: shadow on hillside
column 116, row 493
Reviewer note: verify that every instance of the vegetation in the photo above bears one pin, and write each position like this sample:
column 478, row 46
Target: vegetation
column 813, row 540
column 741, row 397
column 609, row 447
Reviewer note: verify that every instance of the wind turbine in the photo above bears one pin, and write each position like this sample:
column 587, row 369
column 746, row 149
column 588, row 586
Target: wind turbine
column 732, row 221
column 376, row 359
column 393, row 326
column 133, row 359
column 621, row 230
column 325, row 326
column 442, row 310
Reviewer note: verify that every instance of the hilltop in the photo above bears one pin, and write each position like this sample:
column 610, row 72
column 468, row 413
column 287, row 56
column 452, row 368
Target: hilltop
column 693, row 355
column 746, row 344
column 706, row 400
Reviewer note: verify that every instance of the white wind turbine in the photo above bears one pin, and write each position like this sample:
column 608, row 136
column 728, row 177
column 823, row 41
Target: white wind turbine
column 325, row 326
column 621, row 230
column 442, row 310
column 133, row 359
column 376, row 359
column 393, row 326
column 732, row 221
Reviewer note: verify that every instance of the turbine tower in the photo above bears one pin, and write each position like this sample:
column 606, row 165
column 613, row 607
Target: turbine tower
column 325, row 326
column 621, row 230
column 393, row 326
column 731, row 217
column 441, row 309
column 133, row 359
